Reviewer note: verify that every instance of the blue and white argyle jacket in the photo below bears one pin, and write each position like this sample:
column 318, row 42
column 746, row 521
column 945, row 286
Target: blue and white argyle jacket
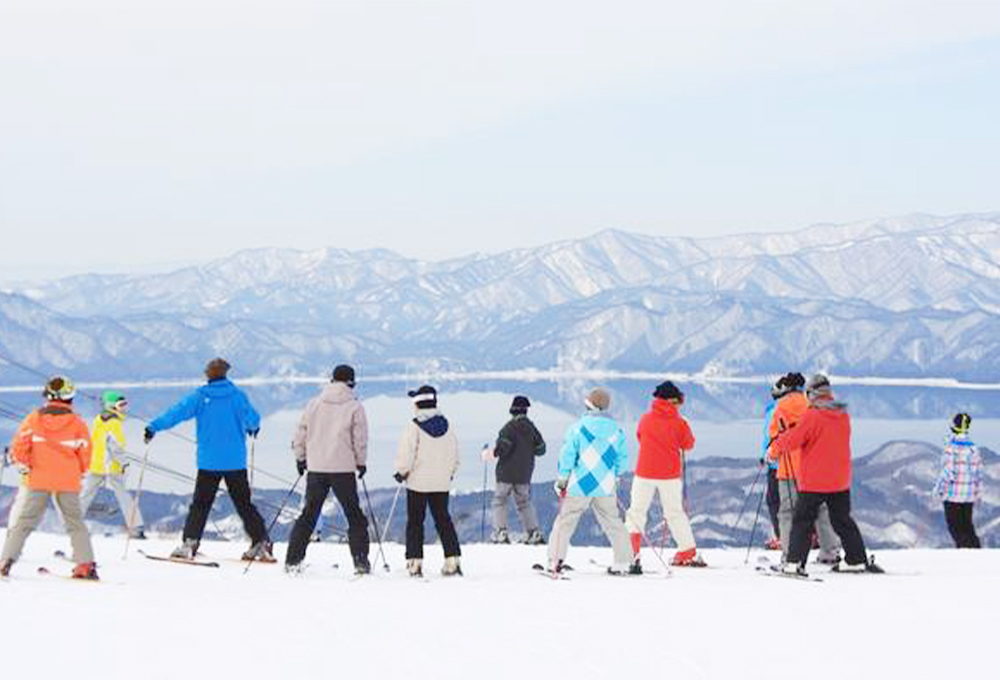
column 593, row 454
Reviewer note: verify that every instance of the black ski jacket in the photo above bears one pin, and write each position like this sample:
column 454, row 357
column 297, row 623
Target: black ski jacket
column 517, row 445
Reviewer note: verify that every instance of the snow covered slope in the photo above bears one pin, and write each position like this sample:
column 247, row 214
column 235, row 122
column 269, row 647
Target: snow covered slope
column 153, row 620
column 914, row 296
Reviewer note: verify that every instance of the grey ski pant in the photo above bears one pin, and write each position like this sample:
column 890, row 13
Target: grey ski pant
column 606, row 510
column 829, row 542
column 93, row 483
column 30, row 514
column 522, row 501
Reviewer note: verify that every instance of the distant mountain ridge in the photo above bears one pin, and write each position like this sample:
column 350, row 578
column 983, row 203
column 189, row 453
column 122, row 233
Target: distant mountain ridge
column 909, row 297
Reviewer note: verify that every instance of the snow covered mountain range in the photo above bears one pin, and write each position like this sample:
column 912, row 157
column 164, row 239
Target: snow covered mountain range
column 910, row 297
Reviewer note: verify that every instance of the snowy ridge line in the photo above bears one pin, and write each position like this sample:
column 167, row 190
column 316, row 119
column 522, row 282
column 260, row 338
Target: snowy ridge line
column 533, row 375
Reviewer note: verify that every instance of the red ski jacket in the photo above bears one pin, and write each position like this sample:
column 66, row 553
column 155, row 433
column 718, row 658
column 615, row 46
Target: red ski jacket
column 663, row 434
column 824, row 437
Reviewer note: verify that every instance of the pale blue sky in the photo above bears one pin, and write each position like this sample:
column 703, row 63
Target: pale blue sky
column 146, row 131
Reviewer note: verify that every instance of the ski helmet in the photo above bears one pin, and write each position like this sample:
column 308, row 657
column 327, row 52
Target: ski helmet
column 790, row 382
column 818, row 387
column 217, row 369
column 668, row 390
column 520, row 404
column 60, row 388
column 960, row 423
column 114, row 401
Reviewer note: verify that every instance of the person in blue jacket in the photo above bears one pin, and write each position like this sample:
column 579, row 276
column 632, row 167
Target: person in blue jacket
column 224, row 418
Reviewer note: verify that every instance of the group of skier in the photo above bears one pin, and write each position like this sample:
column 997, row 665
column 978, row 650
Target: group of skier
column 806, row 450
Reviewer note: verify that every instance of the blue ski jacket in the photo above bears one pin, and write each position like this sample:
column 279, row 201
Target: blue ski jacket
column 224, row 416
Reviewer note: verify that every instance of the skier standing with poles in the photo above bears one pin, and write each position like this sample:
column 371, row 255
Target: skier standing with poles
column 224, row 419
column 823, row 438
column 792, row 405
column 426, row 461
column 108, row 439
column 54, row 445
column 594, row 454
column 664, row 439
column 516, row 448
column 330, row 446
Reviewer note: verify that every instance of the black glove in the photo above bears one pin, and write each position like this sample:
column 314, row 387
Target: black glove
column 362, row 469
column 300, row 465
column 399, row 478
column 254, row 432
column 148, row 434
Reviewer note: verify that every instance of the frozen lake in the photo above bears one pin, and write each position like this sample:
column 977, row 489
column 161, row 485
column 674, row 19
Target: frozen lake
column 726, row 419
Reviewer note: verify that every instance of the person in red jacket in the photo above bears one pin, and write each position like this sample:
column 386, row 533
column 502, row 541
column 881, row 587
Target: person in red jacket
column 53, row 444
column 664, row 438
column 823, row 437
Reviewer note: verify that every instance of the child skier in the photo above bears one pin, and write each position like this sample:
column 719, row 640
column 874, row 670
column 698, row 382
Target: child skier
column 108, row 441
column 664, row 438
column 959, row 483
column 593, row 456
column 54, row 445
column 823, row 436
column 517, row 446
column 224, row 418
column 792, row 404
column 426, row 461
column 330, row 445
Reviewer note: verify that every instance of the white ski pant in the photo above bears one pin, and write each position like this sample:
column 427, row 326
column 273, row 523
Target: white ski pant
column 93, row 483
column 606, row 510
column 829, row 542
column 31, row 509
column 671, row 493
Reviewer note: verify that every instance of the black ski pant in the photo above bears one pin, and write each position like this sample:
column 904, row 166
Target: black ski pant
column 807, row 510
column 205, row 488
column 345, row 487
column 959, row 517
column 416, row 507
column 773, row 499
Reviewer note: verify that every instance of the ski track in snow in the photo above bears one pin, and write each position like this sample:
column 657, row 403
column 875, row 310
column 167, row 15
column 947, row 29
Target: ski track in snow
column 500, row 620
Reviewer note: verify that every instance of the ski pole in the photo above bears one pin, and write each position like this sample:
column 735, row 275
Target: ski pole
column 645, row 536
column 281, row 508
column 753, row 531
column 392, row 509
column 368, row 500
column 746, row 498
column 253, row 448
column 482, row 530
column 135, row 503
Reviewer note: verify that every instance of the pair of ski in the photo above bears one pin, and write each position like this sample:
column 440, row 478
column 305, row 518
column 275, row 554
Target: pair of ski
column 561, row 575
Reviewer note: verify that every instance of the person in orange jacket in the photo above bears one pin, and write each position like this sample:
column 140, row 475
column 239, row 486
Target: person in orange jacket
column 823, row 436
column 53, row 444
column 792, row 405
column 664, row 438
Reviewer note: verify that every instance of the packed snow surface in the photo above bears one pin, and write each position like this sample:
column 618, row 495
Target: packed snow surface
column 149, row 619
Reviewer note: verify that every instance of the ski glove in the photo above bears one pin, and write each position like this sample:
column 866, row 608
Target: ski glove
column 560, row 486
column 148, row 434
column 254, row 432
column 362, row 469
column 400, row 478
column 300, row 465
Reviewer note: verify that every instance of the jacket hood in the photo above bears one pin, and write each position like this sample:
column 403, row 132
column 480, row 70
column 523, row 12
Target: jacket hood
column 218, row 389
column 54, row 414
column 432, row 422
column 337, row 393
column 828, row 405
column 667, row 408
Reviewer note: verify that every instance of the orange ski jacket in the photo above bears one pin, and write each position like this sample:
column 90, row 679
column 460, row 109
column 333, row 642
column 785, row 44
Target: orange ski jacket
column 54, row 444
